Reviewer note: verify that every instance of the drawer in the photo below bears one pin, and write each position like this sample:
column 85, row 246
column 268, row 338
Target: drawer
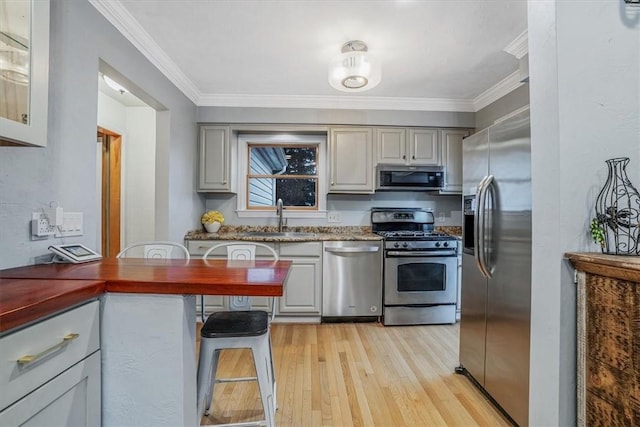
column 16, row 380
column 197, row 248
column 301, row 249
column 70, row 399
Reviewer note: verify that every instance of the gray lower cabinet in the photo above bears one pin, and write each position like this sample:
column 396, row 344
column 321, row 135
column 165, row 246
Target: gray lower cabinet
column 302, row 291
column 50, row 371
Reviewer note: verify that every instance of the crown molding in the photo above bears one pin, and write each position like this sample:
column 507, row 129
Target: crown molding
column 121, row 19
column 125, row 23
column 337, row 102
column 519, row 47
column 497, row 91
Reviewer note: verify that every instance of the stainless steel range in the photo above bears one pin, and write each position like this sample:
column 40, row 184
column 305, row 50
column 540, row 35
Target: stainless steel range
column 420, row 267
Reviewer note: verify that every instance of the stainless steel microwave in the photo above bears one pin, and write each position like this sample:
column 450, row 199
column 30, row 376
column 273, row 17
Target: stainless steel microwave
column 410, row 178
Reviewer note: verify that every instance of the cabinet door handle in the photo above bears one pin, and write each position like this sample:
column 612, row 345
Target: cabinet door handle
column 413, row 157
column 30, row 358
column 404, row 156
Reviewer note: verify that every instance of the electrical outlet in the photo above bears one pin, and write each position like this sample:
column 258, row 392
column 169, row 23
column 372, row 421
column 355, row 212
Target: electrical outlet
column 40, row 226
column 333, row 216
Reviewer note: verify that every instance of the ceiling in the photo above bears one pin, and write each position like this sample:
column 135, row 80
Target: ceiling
column 435, row 54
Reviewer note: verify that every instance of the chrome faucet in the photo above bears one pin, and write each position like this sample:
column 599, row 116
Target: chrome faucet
column 279, row 212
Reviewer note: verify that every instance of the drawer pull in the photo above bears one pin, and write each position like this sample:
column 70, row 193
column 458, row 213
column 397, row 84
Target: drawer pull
column 30, row 358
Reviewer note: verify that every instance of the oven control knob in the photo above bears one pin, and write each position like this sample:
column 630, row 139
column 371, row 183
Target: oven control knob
column 445, row 244
column 437, row 244
column 396, row 245
column 405, row 244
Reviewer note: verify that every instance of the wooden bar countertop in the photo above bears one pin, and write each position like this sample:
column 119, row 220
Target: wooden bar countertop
column 31, row 292
column 617, row 266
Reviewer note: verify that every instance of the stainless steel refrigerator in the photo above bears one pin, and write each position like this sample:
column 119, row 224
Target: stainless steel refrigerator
column 496, row 263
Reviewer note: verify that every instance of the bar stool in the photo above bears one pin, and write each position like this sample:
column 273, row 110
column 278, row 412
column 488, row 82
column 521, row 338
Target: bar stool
column 159, row 249
column 240, row 327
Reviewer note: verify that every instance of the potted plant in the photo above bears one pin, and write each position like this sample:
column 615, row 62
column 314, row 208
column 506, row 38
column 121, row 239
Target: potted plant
column 212, row 221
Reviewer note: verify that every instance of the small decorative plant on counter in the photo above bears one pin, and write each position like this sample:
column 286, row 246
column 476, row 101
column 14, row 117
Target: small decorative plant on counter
column 616, row 226
column 212, row 221
column 597, row 233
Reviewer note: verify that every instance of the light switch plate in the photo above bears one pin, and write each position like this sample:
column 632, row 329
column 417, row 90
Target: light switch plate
column 72, row 225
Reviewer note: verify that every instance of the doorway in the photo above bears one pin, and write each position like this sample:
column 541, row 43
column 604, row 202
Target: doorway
column 111, row 190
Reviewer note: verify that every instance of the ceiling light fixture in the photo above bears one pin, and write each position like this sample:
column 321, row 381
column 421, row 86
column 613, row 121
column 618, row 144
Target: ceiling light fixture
column 114, row 85
column 354, row 70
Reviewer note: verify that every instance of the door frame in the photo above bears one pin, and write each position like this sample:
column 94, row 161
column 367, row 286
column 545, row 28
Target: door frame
column 111, row 191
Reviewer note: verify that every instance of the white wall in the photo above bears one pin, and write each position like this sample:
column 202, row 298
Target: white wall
column 137, row 126
column 66, row 169
column 585, row 108
column 139, row 176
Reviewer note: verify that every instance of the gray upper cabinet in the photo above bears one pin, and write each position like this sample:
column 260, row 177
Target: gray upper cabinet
column 423, row 147
column 214, row 171
column 351, row 160
column 392, row 145
column 407, row 146
column 451, row 144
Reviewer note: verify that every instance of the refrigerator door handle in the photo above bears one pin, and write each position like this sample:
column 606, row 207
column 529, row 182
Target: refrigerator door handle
column 478, row 215
column 490, row 190
column 481, row 226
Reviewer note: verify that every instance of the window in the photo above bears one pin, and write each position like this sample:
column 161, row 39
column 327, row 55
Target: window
column 281, row 166
column 287, row 172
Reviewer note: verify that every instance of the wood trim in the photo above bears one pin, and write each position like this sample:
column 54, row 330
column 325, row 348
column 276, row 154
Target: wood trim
column 111, row 191
column 616, row 266
column 115, row 197
column 581, row 357
column 107, row 132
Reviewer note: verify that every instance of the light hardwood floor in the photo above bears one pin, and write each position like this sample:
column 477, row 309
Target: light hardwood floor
column 357, row 374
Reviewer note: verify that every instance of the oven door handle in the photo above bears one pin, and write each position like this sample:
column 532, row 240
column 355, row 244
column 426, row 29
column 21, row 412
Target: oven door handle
column 415, row 254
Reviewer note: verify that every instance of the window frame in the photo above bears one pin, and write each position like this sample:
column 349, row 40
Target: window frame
column 245, row 140
column 249, row 176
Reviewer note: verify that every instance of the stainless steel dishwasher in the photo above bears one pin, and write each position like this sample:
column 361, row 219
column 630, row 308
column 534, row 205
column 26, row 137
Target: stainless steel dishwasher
column 351, row 279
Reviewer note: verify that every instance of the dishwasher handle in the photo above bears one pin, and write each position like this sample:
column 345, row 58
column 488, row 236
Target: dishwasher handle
column 353, row 250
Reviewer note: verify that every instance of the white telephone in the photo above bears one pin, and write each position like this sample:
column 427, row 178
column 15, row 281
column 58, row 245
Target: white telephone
column 74, row 253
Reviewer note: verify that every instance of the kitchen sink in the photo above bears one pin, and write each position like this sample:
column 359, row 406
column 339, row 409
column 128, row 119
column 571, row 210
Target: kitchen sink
column 284, row 234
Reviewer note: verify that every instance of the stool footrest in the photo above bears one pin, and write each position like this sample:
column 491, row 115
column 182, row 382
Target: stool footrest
column 235, row 380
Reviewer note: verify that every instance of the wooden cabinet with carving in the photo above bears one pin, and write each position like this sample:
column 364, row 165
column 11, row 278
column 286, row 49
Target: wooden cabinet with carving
column 608, row 316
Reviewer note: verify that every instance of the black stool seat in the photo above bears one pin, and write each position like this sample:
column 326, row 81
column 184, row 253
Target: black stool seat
column 231, row 324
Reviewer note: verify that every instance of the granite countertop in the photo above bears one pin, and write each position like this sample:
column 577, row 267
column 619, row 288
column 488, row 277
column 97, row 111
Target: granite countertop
column 235, row 232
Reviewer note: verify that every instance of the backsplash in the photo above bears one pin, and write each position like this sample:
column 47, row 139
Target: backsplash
column 353, row 209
